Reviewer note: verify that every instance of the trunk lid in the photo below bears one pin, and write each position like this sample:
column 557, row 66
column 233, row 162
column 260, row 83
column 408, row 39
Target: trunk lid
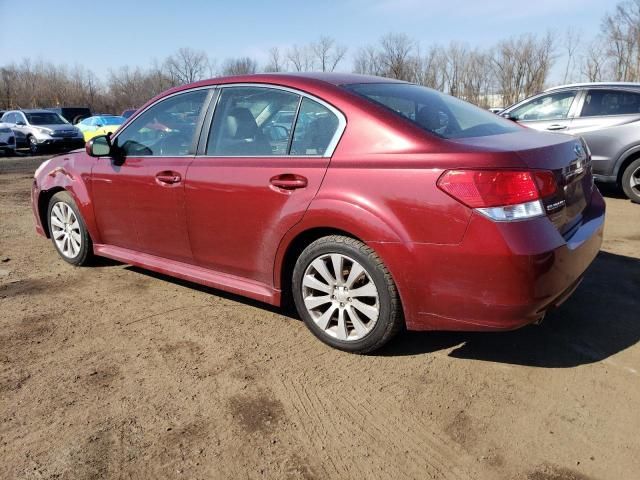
column 566, row 156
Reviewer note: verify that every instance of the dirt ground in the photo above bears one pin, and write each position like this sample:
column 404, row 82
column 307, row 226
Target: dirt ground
column 115, row 372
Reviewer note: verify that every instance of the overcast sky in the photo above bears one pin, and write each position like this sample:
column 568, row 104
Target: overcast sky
column 104, row 35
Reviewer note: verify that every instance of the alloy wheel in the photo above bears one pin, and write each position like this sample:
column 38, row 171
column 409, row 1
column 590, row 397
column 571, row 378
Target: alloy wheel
column 341, row 297
column 634, row 181
column 33, row 145
column 65, row 229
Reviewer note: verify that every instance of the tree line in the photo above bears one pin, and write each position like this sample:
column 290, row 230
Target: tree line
column 508, row 71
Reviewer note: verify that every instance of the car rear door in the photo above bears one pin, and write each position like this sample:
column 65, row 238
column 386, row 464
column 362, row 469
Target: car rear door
column 256, row 176
column 548, row 112
column 607, row 120
column 139, row 196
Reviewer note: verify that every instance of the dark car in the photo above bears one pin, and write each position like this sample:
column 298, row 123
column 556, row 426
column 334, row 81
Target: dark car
column 606, row 115
column 397, row 205
column 72, row 114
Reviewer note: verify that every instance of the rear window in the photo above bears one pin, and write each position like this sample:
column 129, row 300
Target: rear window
column 439, row 114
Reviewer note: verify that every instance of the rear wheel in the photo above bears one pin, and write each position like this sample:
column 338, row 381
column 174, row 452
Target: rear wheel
column 631, row 181
column 68, row 231
column 345, row 295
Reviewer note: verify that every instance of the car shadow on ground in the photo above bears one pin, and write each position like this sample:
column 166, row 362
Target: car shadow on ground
column 611, row 191
column 598, row 321
column 601, row 319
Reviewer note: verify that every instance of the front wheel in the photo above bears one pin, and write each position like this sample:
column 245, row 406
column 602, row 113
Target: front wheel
column 631, row 181
column 34, row 148
column 346, row 295
column 68, row 231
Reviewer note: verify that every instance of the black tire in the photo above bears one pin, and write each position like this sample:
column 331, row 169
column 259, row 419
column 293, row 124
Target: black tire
column 390, row 319
column 632, row 171
column 32, row 143
column 85, row 254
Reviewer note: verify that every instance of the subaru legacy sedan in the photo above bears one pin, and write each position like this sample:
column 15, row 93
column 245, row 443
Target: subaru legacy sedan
column 377, row 204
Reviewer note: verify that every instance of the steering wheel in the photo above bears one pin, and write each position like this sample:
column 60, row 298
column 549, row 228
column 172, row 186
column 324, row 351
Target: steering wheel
column 277, row 132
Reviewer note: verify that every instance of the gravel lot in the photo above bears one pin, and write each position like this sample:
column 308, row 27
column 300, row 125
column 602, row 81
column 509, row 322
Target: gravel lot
column 115, row 372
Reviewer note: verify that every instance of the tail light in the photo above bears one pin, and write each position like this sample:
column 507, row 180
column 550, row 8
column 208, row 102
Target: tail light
column 501, row 195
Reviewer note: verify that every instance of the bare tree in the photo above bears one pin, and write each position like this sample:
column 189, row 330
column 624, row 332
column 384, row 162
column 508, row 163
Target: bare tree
column 301, row 58
column 240, row 66
column 328, row 53
column 367, row 61
column 396, row 56
column 571, row 44
column 621, row 32
column 594, row 63
column 276, row 62
column 187, row 65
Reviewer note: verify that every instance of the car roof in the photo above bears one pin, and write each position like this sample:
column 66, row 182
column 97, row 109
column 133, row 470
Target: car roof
column 595, row 84
column 32, row 110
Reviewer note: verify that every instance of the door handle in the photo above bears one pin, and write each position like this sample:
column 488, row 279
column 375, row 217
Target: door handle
column 556, row 127
column 289, row 181
column 168, row 178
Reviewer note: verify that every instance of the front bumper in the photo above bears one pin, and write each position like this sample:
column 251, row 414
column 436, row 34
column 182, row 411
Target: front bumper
column 62, row 142
column 501, row 277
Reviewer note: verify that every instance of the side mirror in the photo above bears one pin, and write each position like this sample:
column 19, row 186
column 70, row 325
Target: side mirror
column 508, row 116
column 99, row 146
column 21, row 123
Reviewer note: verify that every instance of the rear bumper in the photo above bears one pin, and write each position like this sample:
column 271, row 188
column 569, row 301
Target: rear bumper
column 501, row 277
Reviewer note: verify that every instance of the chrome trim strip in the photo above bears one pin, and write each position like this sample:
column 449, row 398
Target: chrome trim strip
column 342, row 121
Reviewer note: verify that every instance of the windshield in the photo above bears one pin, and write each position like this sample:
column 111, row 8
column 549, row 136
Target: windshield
column 45, row 118
column 111, row 120
column 440, row 114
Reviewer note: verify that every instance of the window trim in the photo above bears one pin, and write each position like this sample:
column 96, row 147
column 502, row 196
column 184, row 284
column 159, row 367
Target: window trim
column 199, row 123
column 608, row 89
column 342, row 122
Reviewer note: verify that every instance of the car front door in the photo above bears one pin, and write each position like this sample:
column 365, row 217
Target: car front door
column 550, row 112
column 138, row 194
column 259, row 170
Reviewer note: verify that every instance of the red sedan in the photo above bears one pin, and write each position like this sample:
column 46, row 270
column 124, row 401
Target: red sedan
column 372, row 203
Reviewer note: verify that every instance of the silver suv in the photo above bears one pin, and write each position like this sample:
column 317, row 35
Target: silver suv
column 606, row 115
column 40, row 129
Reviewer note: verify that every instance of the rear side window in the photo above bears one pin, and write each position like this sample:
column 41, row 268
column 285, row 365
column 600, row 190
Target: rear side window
column 610, row 102
column 315, row 129
column 435, row 112
column 252, row 121
column 554, row 106
column 166, row 129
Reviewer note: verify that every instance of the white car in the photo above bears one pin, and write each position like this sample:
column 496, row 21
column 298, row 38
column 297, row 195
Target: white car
column 7, row 140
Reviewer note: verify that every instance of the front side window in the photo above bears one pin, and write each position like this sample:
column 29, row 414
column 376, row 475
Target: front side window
column 435, row 112
column 610, row 102
column 315, row 128
column 166, row 129
column 554, row 106
column 252, row 121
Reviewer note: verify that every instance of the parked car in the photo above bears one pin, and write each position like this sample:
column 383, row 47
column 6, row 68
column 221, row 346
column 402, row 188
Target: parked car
column 127, row 113
column 606, row 115
column 72, row 114
column 398, row 205
column 7, row 140
column 42, row 129
column 99, row 125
